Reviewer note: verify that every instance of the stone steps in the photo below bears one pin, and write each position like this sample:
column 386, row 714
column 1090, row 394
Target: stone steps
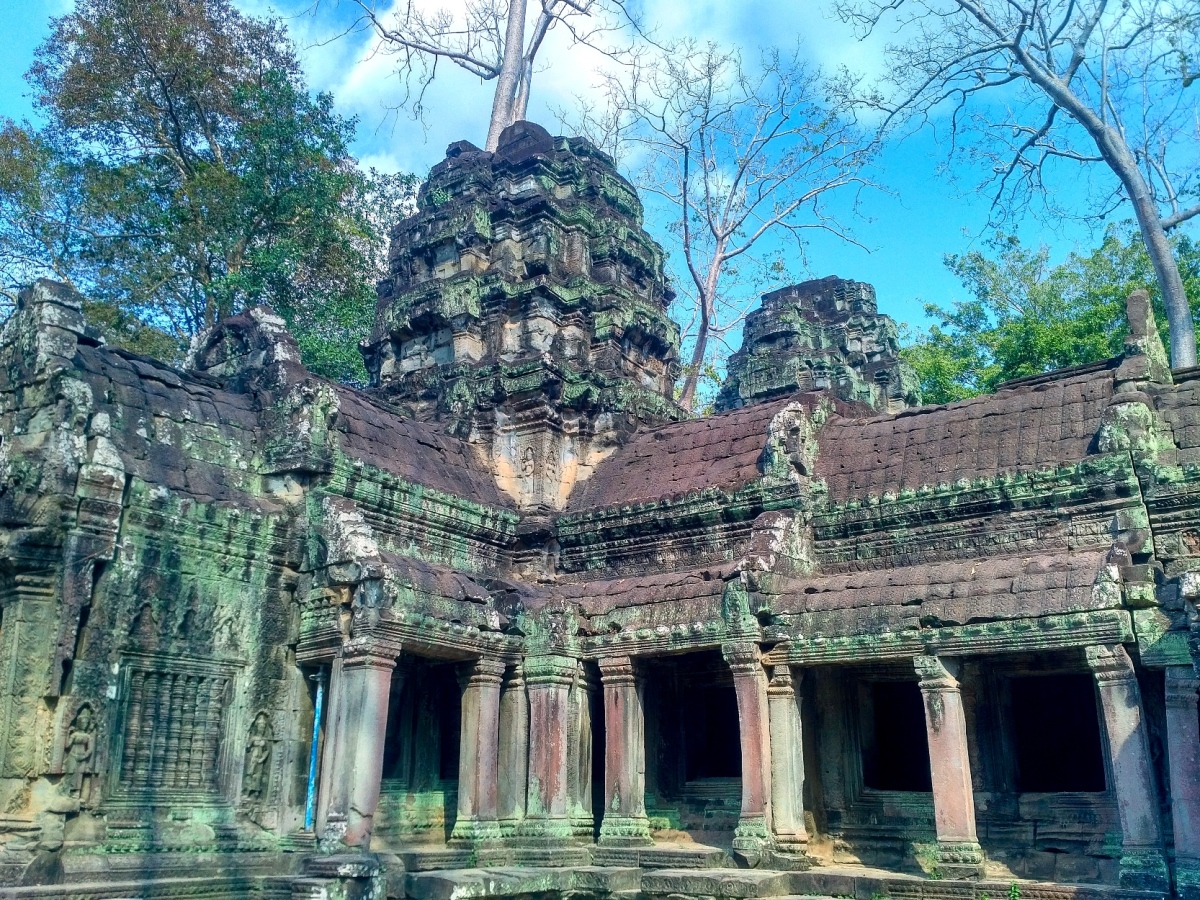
column 211, row 888
column 726, row 883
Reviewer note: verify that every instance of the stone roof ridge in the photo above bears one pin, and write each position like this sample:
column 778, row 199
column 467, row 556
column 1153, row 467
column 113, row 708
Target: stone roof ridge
column 1099, row 365
column 1029, row 384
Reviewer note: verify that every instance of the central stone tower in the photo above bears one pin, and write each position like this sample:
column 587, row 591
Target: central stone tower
column 526, row 310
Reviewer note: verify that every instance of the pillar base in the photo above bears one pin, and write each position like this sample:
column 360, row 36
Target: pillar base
column 1187, row 878
column 752, row 839
column 470, row 832
column 959, row 860
column 1144, row 869
column 556, row 832
column 791, row 842
column 625, row 831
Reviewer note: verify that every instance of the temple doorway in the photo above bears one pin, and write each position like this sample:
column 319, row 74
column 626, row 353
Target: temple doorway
column 419, row 794
column 693, row 754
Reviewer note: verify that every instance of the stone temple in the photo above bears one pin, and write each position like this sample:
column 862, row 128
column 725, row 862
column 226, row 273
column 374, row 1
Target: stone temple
column 507, row 623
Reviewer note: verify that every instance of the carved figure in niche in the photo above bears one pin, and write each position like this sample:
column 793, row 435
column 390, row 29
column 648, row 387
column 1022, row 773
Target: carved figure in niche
column 145, row 624
column 258, row 758
column 224, row 636
column 79, row 749
column 528, row 465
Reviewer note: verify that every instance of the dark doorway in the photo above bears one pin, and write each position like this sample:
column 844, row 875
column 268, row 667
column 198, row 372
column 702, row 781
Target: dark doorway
column 895, row 747
column 424, row 720
column 711, row 733
column 1057, row 734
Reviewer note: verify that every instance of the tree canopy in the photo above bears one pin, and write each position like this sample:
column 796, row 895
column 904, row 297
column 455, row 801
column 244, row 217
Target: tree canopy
column 184, row 172
column 1026, row 316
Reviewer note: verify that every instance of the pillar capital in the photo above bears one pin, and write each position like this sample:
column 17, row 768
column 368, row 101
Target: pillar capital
column 550, row 669
column 784, row 682
column 743, row 658
column 1182, row 685
column 486, row 670
column 1110, row 663
column 371, row 655
column 617, row 670
column 937, row 673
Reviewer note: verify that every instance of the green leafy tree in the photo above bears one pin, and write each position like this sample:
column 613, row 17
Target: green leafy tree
column 185, row 172
column 1026, row 317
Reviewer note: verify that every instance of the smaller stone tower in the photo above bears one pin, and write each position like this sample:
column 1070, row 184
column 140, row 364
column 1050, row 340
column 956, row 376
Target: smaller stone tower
column 822, row 334
column 526, row 310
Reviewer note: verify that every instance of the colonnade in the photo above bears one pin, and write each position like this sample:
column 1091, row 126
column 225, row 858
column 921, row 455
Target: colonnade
column 514, row 781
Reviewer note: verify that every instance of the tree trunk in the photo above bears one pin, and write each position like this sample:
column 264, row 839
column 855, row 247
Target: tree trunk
column 688, row 394
column 508, row 82
column 1179, row 313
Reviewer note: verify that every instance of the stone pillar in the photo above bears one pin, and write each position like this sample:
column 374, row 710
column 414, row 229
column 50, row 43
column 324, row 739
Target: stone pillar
column 1143, row 866
column 625, row 823
column 479, row 753
column 513, row 775
column 354, row 746
column 548, row 681
column 787, row 762
column 958, row 854
column 1183, row 762
column 753, row 834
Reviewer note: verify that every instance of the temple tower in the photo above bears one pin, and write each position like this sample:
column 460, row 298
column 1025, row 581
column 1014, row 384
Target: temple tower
column 526, row 311
column 821, row 334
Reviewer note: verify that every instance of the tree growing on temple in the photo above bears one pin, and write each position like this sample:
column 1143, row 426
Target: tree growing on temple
column 496, row 40
column 1026, row 85
column 185, row 172
column 737, row 154
column 1025, row 316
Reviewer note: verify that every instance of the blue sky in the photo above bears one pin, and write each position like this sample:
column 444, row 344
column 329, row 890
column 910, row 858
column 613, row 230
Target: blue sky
column 906, row 230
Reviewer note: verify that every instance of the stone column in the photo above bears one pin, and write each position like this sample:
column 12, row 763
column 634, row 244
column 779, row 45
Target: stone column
column 1143, row 866
column 354, row 746
column 753, row 834
column 1183, row 762
column 625, row 823
column 548, row 681
column 479, row 753
column 787, row 761
column 958, row 853
column 513, row 776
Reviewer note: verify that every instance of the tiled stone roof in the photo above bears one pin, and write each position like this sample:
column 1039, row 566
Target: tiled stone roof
column 1042, row 423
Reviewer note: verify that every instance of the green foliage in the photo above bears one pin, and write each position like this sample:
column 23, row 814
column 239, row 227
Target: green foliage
column 1027, row 317
column 185, row 173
